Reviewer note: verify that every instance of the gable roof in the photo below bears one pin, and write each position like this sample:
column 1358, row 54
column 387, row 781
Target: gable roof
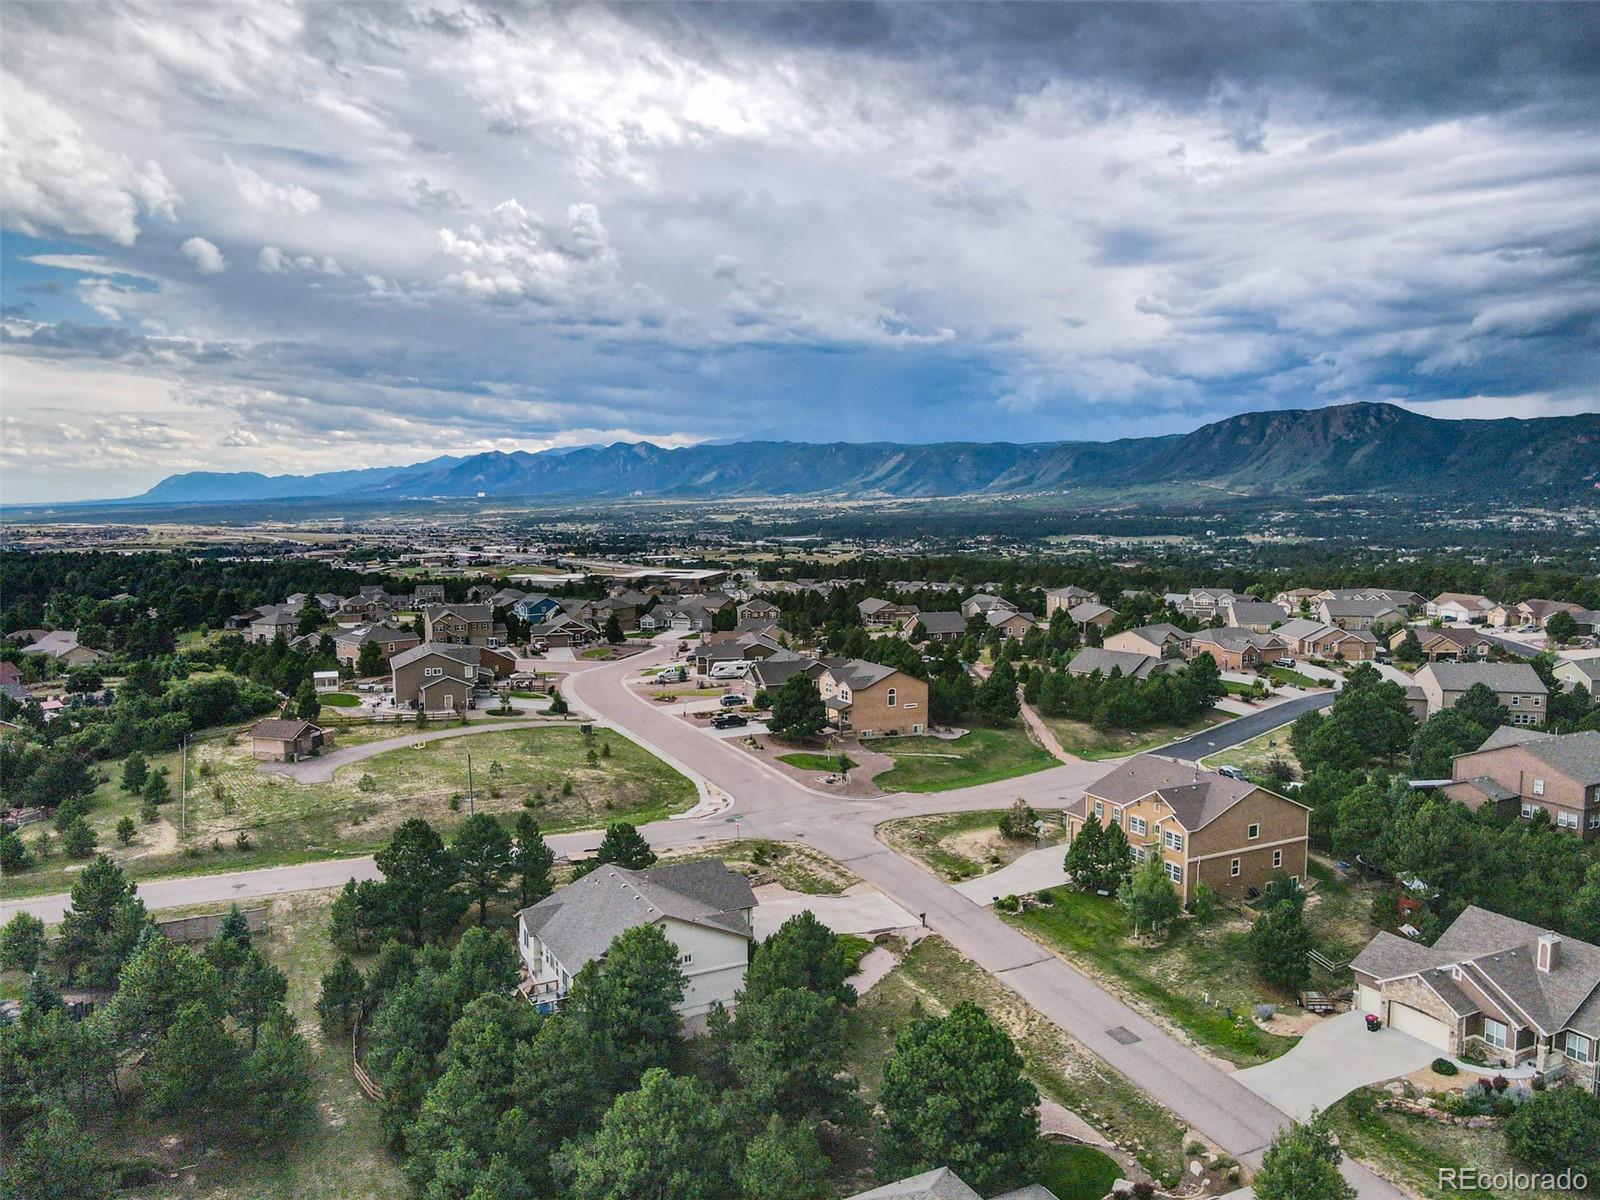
column 1129, row 662
column 466, row 612
column 1234, row 637
column 1253, row 612
column 1304, row 627
column 857, row 673
column 1359, row 607
column 941, row 623
column 466, row 655
column 1501, row 677
column 1196, row 796
column 1575, row 755
column 283, row 728
column 1089, row 610
column 1465, row 600
column 361, row 634
column 579, row 922
column 1509, row 735
column 941, row 1183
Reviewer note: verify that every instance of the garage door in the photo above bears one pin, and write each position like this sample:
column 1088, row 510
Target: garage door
column 1419, row 1025
column 1368, row 1000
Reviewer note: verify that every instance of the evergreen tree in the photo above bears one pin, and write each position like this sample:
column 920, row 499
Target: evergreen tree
column 134, row 772
column 369, row 660
column 626, row 1004
column 954, row 1095
column 1148, row 898
column 613, row 630
column 1279, row 943
column 800, row 953
column 417, row 896
column 306, row 704
column 996, row 698
column 102, row 926
column 797, row 709
column 531, row 861
column 665, row 1141
column 22, row 943
column 56, row 1161
column 783, row 1162
column 1302, row 1163
column 482, row 850
column 340, row 999
column 788, row 1057
column 624, row 846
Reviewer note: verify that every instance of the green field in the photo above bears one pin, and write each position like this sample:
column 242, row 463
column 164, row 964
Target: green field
column 807, row 761
column 1073, row 1172
column 932, row 978
column 1253, row 757
column 929, row 764
column 339, row 700
column 545, row 769
column 1293, row 678
column 1085, row 741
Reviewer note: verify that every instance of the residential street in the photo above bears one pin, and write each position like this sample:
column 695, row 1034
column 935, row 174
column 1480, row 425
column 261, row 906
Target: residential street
column 769, row 804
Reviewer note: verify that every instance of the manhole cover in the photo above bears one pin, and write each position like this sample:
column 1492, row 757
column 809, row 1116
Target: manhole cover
column 1126, row 1036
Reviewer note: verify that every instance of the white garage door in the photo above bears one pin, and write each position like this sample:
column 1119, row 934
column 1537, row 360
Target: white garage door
column 1419, row 1025
column 1368, row 1000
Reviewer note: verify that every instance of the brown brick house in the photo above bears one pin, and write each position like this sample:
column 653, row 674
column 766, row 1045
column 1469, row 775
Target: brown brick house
column 462, row 625
column 1512, row 993
column 440, row 678
column 390, row 641
column 284, row 740
column 1447, row 644
column 1204, row 827
column 1236, row 649
column 1516, row 685
column 1525, row 772
column 872, row 700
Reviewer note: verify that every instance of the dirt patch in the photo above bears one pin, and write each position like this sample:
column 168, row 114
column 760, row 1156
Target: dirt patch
column 859, row 785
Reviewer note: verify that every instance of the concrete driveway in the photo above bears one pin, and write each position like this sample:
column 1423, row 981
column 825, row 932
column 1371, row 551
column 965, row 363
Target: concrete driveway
column 1333, row 1059
column 1033, row 872
column 862, row 908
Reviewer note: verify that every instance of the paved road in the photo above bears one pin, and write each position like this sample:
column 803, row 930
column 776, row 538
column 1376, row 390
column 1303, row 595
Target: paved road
column 769, row 804
column 1242, row 729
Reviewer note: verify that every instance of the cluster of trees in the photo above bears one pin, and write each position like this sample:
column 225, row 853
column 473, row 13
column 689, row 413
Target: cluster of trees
column 1116, row 701
column 427, row 886
column 601, row 1100
column 198, row 1038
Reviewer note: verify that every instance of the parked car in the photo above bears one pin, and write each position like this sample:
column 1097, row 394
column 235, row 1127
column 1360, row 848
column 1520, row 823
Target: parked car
column 1231, row 773
column 1287, row 662
column 729, row 720
column 731, row 701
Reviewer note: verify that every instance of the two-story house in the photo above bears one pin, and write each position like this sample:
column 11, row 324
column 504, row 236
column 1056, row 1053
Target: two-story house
column 937, row 626
column 1204, row 827
column 1236, row 649
column 389, row 640
column 462, row 625
column 1317, row 639
column 704, row 909
column 1359, row 612
column 1509, row 992
column 1528, row 772
column 440, row 678
column 536, row 608
column 1255, row 614
column 878, row 613
column 1515, row 685
column 871, row 700
column 1069, row 597
column 985, row 603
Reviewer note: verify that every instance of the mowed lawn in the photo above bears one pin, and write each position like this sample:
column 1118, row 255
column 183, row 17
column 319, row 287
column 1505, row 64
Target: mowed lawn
column 546, row 770
column 1086, row 741
column 930, row 764
column 1255, row 756
column 932, row 978
column 806, row 760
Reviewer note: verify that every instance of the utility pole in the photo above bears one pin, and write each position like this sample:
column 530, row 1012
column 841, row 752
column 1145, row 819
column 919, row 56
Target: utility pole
column 472, row 800
column 183, row 786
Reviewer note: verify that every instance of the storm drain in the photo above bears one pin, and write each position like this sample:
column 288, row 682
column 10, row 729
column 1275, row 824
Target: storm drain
column 1125, row 1036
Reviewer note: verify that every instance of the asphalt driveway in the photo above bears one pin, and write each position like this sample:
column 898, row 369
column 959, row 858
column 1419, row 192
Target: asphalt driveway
column 1242, row 729
column 1333, row 1059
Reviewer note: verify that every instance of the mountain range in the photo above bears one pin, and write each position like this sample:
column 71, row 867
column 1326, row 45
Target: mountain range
column 1374, row 449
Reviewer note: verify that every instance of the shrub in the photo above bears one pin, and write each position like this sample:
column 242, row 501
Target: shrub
column 242, row 841
column 1008, row 904
column 367, row 784
column 1443, row 1066
column 1265, row 1012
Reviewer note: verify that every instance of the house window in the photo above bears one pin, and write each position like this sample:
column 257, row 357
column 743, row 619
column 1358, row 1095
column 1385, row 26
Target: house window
column 1253, row 832
column 1099, row 811
column 1277, row 858
column 685, row 959
column 1233, row 868
column 1538, row 787
column 1594, row 820
column 1516, row 701
column 1566, row 820
column 1174, row 872
column 1531, row 810
column 1174, row 840
column 430, row 672
column 1136, row 824
column 1138, row 854
column 1578, row 1048
column 1494, row 1033
column 894, row 697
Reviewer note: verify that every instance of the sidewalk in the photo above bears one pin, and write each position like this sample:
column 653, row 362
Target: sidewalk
column 1042, row 732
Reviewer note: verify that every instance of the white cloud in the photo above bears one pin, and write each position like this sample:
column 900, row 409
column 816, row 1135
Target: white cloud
column 256, row 190
column 207, row 259
column 53, row 176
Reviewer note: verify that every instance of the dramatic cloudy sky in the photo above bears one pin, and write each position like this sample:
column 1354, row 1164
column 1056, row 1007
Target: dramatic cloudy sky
column 297, row 237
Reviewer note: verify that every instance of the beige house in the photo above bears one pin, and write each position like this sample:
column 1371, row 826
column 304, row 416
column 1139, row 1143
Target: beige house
column 1525, row 772
column 1460, row 606
column 1204, row 827
column 1315, row 639
column 1511, row 993
column 1447, row 643
column 1516, row 685
column 871, row 700
column 1359, row 612
column 1255, row 614
column 1011, row 624
column 285, row 740
column 1089, row 613
column 1161, row 640
column 1579, row 672
column 1068, row 598
column 877, row 613
column 985, row 602
column 1531, row 612
column 1236, row 649
column 1129, row 663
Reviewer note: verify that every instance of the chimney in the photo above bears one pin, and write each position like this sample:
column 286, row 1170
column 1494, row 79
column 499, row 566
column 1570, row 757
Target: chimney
column 1549, row 946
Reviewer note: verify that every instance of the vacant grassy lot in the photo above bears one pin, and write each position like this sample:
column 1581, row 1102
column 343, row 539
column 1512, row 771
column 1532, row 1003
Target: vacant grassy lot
column 339, row 1154
column 961, row 845
column 545, row 769
column 1085, row 741
column 1253, row 757
column 797, row 867
column 933, row 977
column 929, row 764
column 1293, row 678
column 1413, row 1149
column 1191, row 980
column 339, row 700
